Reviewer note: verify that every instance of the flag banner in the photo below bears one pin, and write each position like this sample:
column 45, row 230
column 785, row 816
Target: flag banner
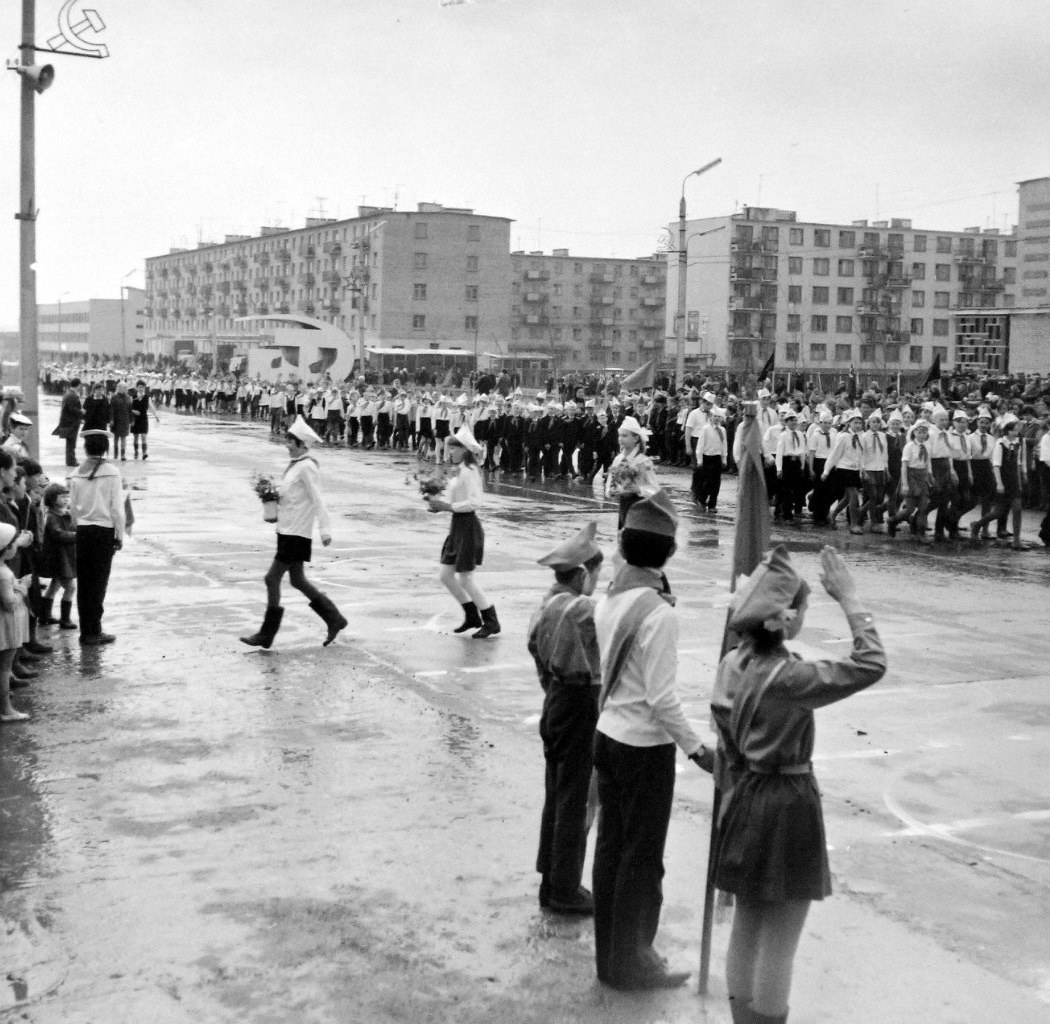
column 643, row 377
column 767, row 371
column 326, row 356
column 275, row 362
column 934, row 373
column 751, row 538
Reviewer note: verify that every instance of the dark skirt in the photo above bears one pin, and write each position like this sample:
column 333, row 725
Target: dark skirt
column 464, row 546
column 292, row 548
column 441, row 430
column 771, row 844
column 843, row 478
column 983, row 479
column 425, row 428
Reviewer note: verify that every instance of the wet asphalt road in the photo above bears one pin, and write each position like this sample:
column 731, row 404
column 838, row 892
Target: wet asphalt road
column 190, row 830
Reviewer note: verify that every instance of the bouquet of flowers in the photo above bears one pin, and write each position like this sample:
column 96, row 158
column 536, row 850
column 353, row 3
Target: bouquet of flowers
column 633, row 477
column 431, row 481
column 265, row 487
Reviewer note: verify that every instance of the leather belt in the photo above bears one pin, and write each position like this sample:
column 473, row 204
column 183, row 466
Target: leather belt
column 784, row 769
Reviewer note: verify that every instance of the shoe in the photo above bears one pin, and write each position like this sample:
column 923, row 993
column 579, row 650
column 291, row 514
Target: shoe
column 25, row 672
column 472, row 618
column 545, row 892
column 855, row 530
column 1020, row 545
column 14, row 716
column 975, row 534
column 144, row 456
column 35, row 647
column 97, row 640
column 17, row 682
column 581, row 903
column 267, row 631
column 333, row 618
column 490, row 624
column 1003, row 535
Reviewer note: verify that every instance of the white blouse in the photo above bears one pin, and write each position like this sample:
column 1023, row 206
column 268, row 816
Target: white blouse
column 465, row 493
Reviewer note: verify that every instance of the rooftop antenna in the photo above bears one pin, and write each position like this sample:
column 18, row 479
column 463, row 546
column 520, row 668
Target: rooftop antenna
column 397, row 194
column 320, row 206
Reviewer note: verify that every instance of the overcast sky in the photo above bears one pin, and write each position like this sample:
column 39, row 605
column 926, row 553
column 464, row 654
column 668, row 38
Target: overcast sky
column 576, row 118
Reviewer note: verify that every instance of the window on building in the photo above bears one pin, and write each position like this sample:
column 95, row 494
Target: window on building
column 473, row 232
column 794, row 293
column 892, row 352
column 868, row 351
column 419, row 321
column 419, row 291
column 577, row 268
column 1009, row 248
column 843, row 353
column 871, row 239
column 918, row 300
column 846, row 268
column 419, row 261
column 918, row 271
column 796, row 236
column 940, row 350
column 1008, row 299
column 895, row 241
column 820, row 295
column 472, row 293
column 1009, row 275
column 915, row 353
column 791, row 351
column 577, row 289
column 818, row 323
column 821, row 267
column 941, row 300
column 577, row 334
column 470, row 323
column 818, row 352
column 916, row 325
column 794, row 264
column 847, row 239
column 843, row 325
column 918, row 243
column 794, row 322
column 420, row 230
column 845, row 296
column 944, row 244
column 942, row 271
column 472, row 263
column 822, row 238
column 940, row 328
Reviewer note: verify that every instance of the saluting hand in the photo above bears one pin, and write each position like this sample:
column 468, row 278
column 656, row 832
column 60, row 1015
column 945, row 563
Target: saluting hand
column 835, row 576
column 326, row 539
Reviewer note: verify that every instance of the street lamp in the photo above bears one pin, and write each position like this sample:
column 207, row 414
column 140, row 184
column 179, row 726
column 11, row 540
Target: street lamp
column 680, row 318
column 60, row 349
column 357, row 282
column 123, row 316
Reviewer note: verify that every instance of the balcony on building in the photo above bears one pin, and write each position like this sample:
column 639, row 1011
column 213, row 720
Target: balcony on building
column 262, row 309
column 262, row 259
column 240, row 262
column 307, row 279
column 208, row 266
column 307, row 307
column 651, row 301
column 281, row 283
column 537, row 275
column 650, row 279
column 241, row 309
column 534, row 297
column 284, row 255
column 361, row 244
column 603, row 278
column 872, row 252
column 282, row 307
column 332, row 277
column 331, row 307
column 223, row 287
column 333, row 249
column 240, row 286
column 602, row 321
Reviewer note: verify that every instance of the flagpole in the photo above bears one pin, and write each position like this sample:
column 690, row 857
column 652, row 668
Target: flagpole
column 751, row 538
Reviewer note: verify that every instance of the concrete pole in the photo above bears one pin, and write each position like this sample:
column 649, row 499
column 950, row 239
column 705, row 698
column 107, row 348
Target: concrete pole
column 27, row 318
column 679, row 322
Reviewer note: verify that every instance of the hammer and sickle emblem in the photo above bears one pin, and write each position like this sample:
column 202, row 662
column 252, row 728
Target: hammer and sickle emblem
column 70, row 36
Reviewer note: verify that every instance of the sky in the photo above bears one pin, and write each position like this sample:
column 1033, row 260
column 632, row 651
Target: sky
column 576, row 118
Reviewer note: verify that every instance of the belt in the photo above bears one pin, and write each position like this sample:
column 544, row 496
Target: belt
column 784, row 769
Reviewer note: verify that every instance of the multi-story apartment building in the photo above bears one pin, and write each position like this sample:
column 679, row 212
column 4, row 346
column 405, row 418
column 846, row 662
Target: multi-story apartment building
column 827, row 297
column 429, row 278
column 587, row 312
column 91, row 327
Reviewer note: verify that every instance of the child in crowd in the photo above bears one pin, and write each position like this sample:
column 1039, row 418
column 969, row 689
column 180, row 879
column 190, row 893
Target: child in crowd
column 14, row 621
column 59, row 556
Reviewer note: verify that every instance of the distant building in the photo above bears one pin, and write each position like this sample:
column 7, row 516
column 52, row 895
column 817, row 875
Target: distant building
column 432, row 278
column 91, row 327
column 586, row 312
column 827, row 297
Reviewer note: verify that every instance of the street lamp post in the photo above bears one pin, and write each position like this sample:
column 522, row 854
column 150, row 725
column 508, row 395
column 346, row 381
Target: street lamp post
column 679, row 330
column 357, row 282
column 123, row 317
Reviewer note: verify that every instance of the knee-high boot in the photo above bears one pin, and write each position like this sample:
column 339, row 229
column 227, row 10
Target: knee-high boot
column 46, row 616
column 333, row 618
column 66, row 621
column 267, row 631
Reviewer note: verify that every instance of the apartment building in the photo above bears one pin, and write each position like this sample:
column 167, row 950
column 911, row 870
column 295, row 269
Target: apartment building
column 429, row 278
column 587, row 312
column 880, row 296
column 91, row 327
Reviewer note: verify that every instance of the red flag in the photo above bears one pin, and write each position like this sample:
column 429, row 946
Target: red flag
column 750, row 541
column 642, row 378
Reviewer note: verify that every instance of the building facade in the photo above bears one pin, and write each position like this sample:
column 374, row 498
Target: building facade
column 92, row 327
column 587, row 312
column 430, row 278
column 879, row 296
